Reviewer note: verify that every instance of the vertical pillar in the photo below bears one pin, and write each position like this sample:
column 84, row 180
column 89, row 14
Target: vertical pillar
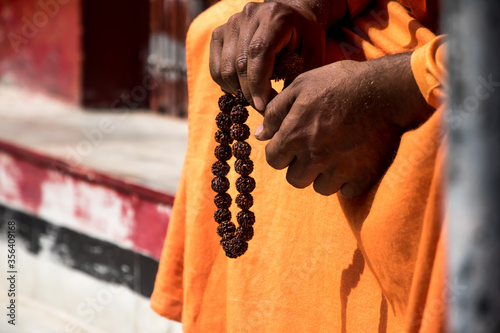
column 473, row 118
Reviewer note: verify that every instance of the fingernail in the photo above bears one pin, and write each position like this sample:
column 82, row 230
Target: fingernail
column 259, row 103
column 259, row 130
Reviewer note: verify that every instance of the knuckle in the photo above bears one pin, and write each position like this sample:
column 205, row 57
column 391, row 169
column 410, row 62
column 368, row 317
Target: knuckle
column 294, row 138
column 295, row 180
column 234, row 19
column 274, row 8
column 272, row 159
column 324, row 188
column 299, row 80
column 217, row 34
column 249, row 8
column 241, row 64
column 227, row 74
column 257, row 47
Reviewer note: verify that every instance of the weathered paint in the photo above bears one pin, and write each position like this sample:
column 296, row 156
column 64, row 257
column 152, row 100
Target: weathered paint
column 144, row 235
column 55, row 297
column 101, row 259
column 82, row 237
column 40, row 45
column 88, row 202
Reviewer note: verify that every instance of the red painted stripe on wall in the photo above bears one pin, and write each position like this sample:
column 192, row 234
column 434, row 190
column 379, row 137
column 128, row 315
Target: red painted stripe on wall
column 83, row 200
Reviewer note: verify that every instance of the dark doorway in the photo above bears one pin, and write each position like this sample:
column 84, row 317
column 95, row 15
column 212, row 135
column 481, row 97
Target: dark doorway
column 115, row 47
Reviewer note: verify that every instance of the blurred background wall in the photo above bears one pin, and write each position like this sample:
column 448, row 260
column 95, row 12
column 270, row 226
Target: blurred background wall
column 41, row 46
column 93, row 107
column 96, row 52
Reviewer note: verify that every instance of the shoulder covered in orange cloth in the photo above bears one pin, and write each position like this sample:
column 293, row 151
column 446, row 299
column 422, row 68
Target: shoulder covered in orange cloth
column 316, row 264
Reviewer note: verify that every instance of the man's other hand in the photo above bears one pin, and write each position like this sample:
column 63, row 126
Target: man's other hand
column 339, row 126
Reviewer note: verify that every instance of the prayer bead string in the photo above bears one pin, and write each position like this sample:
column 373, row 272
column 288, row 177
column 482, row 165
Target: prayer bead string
column 231, row 128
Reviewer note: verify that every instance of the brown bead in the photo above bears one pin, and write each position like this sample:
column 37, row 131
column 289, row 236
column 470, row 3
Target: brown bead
column 231, row 126
column 245, row 217
column 226, row 238
column 241, row 149
column 235, row 248
column 287, row 66
column 239, row 114
column 226, row 103
column 245, row 184
column 223, row 137
column 223, row 121
column 240, row 132
column 222, row 215
column 244, row 232
column 244, row 201
column 240, row 98
column 220, row 184
column 226, row 227
column 223, row 152
column 220, row 168
column 243, row 166
column 223, row 200
column 229, row 254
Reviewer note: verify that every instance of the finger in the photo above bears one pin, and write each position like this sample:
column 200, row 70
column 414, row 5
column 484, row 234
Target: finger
column 277, row 154
column 328, row 183
column 275, row 113
column 259, row 129
column 229, row 54
column 216, row 45
column 262, row 51
column 286, row 143
column 301, row 173
column 241, row 63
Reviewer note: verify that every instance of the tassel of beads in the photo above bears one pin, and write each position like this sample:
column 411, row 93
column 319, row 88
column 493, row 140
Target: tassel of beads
column 232, row 128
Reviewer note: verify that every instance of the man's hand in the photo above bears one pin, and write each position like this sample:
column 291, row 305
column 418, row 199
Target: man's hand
column 339, row 126
column 243, row 51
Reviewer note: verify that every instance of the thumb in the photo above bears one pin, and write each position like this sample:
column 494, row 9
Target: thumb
column 276, row 111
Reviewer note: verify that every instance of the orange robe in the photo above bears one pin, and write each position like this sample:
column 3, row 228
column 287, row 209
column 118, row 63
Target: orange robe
column 316, row 264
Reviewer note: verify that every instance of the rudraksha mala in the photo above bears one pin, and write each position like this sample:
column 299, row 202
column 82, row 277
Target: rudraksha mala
column 232, row 128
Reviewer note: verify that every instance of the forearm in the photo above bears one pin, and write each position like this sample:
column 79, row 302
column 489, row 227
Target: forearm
column 326, row 12
column 396, row 91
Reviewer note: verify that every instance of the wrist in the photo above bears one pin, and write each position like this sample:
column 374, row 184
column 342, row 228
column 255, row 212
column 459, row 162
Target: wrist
column 406, row 108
